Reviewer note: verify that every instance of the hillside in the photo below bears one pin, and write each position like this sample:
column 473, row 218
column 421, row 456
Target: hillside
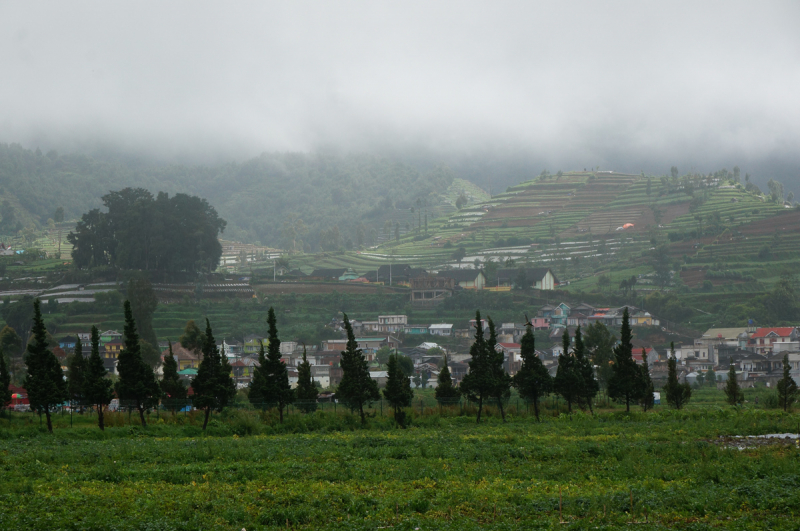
column 341, row 200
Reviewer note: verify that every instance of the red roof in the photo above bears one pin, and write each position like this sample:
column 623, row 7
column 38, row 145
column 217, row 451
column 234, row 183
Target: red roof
column 785, row 331
column 509, row 345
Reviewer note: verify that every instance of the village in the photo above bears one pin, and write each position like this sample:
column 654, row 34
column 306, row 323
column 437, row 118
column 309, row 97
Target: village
column 755, row 352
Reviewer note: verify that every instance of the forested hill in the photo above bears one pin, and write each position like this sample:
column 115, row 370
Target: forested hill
column 339, row 198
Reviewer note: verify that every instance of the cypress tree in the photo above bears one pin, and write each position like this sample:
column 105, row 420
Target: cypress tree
column 626, row 382
column 276, row 388
column 446, row 393
column 568, row 381
column 171, row 385
column 306, row 390
column 258, row 383
column 478, row 383
column 733, row 392
column 96, row 387
column 677, row 394
column 711, row 378
column 76, row 374
column 5, row 382
column 501, row 380
column 648, row 399
column 398, row 390
column 583, row 364
column 137, row 383
column 533, row 381
column 787, row 387
column 45, row 380
column 213, row 386
column 356, row 388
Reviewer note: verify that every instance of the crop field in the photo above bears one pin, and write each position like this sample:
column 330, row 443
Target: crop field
column 658, row 470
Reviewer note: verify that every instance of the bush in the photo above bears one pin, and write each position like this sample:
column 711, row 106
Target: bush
column 771, row 401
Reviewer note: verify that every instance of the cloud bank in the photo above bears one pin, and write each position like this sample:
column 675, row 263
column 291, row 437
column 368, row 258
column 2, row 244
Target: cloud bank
column 624, row 85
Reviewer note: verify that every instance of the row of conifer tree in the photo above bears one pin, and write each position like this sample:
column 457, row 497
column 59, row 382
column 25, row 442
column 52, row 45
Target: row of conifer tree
column 487, row 381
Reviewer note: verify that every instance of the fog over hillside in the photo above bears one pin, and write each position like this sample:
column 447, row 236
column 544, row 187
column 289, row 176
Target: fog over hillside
column 497, row 90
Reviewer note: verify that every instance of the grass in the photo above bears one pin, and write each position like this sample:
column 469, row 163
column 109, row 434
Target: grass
column 325, row 471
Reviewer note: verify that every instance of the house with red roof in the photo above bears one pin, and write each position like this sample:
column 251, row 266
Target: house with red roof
column 766, row 340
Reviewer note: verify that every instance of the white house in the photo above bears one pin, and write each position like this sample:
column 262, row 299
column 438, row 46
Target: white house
column 440, row 329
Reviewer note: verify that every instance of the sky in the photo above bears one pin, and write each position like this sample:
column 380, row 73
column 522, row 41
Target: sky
column 625, row 86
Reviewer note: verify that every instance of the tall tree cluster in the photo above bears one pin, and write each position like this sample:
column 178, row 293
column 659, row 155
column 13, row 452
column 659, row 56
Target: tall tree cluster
column 575, row 380
column 143, row 232
column 487, row 378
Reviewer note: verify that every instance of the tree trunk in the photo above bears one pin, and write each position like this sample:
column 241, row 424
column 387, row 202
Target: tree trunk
column 49, row 421
column 590, row 406
column 361, row 412
column 205, row 421
column 141, row 416
column 502, row 411
column 480, row 408
column 280, row 412
column 536, row 408
column 569, row 406
column 100, row 420
column 628, row 404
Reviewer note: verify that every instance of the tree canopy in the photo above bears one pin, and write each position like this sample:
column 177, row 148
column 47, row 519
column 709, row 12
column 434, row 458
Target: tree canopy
column 143, row 232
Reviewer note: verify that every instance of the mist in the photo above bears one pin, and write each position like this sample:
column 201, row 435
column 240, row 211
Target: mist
column 512, row 87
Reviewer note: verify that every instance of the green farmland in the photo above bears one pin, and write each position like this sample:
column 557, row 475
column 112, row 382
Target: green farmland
column 658, row 470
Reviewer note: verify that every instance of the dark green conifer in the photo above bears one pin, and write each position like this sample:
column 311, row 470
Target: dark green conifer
column 356, row 388
column 276, row 389
column 446, row 393
column 568, row 381
column 625, row 384
column 5, row 382
column 677, row 394
column 258, row 383
column 398, row 390
column 787, row 387
column 213, row 386
column 306, row 391
column 45, row 380
column 583, row 364
column 533, row 381
column 171, row 385
column 76, row 374
column 501, row 380
column 478, row 384
column 733, row 393
column 648, row 398
column 137, row 383
column 96, row 387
